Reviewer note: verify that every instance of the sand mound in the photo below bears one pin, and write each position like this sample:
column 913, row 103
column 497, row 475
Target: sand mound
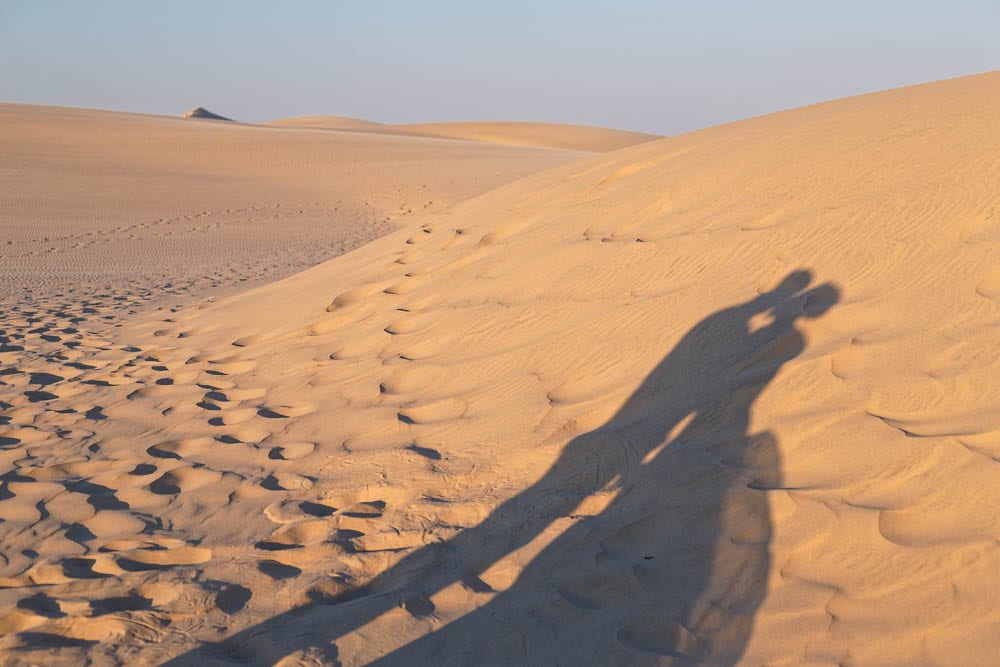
column 205, row 114
column 549, row 135
column 720, row 398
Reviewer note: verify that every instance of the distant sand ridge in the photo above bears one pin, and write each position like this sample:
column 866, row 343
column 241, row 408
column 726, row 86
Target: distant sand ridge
column 184, row 207
column 720, row 398
column 549, row 135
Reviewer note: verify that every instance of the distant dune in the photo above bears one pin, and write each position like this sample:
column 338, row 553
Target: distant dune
column 201, row 112
column 97, row 197
column 327, row 123
column 726, row 398
column 550, row 135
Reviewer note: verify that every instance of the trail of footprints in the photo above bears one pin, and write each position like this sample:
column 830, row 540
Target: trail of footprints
column 114, row 533
column 163, row 227
column 203, row 221
column 85, row 509
column 249, row 258
column 79, row 514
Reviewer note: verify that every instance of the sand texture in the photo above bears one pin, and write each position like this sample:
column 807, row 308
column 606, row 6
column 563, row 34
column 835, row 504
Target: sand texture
column 721, row 398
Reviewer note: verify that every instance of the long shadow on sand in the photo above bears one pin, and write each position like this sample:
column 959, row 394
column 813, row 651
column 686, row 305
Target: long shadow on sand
column 671, row 571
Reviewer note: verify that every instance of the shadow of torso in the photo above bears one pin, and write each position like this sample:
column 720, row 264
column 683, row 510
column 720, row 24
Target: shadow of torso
column 673, row 569
column 670, row 571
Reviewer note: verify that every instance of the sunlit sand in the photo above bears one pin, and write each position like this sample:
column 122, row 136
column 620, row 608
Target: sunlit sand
column 509, row 394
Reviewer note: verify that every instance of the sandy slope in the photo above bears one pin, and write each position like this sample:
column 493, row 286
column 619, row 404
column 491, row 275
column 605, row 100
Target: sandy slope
column 549, row 135
column 96, row 198
column 725, row 397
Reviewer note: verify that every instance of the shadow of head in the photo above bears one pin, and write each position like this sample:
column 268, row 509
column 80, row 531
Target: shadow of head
column 794, row 298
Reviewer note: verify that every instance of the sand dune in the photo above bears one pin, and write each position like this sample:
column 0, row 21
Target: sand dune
column 327, row 123
column 549, row 135
column 180, row 208
column 721, row 398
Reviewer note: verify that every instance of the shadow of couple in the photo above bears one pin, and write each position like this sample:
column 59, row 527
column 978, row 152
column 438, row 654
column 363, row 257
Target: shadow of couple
column 671, row 571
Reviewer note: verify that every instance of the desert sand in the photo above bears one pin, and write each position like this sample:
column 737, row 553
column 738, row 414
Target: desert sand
column 720, row 398
column 190, row 206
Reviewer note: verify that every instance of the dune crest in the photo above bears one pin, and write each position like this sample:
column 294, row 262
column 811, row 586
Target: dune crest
column 327, row 123
column 547, row 135
column 551, row 135
column 721, row 398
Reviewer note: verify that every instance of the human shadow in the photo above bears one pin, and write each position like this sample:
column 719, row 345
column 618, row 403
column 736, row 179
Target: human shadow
column 670, row 569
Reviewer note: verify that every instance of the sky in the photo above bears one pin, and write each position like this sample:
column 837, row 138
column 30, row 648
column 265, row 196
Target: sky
column 657, row 66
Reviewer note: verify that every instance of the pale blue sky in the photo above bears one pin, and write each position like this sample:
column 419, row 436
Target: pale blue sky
column 657, row 66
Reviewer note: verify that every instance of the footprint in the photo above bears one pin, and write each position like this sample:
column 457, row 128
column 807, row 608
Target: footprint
column 178, row 449
column 426, row 452
column 406, row 285
column 247, row 341
column 411, row 323
column 989, row 285
column 351, row 297
column 230, row 598
column 504, row 233
column 184, row 479
column 281, row 481
column 49, row 640
column 232, row 366
column 285, row 410
column 238, row 394
column 42, row 605
column 249, row 434
column 131, row 602
column 443, row 410
column 44, row 379
column 299, row 534
column 292, row 451
column 39, row 396
column 316, row 509
column 81, row 568
column 105, row 524
column 288, row 511
column 410, row 379
column 362, row 347
column 392, row 540
column 366, row 510
column 158, row 557
column 658, row 635
column 233, row 417
column 276, row 570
